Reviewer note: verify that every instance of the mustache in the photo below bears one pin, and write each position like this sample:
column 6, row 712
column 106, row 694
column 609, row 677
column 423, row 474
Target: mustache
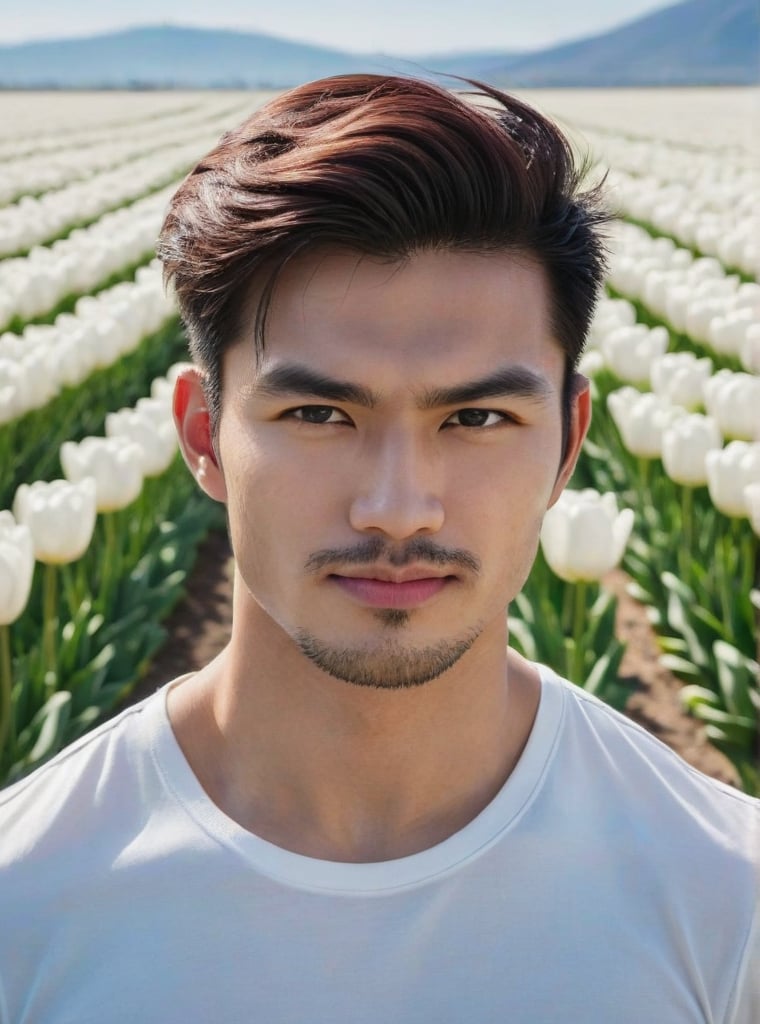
column 375, row 549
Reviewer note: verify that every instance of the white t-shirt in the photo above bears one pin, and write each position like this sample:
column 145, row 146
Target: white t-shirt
column 607, row 883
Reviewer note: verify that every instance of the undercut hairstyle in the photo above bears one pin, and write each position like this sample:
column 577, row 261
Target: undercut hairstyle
column 385, row 166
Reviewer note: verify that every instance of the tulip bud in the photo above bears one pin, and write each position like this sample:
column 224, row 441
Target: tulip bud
column 680, row 377
column 727, row 333
column 629, row 351
column 115, row 464
column 685, row 444
column 16, row 568
column 750, row 351
column 752, row 502
column 729, row 472
column 733, row 399
column 60, row 516
column 591, row 363
column 641, row 420
column 700, row 313
column 155, row 435
column 584, row 536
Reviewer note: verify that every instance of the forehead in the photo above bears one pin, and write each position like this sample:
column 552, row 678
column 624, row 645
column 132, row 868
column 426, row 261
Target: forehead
column 438, row 309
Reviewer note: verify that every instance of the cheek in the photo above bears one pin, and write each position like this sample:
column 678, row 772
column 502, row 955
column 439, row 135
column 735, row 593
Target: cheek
column 278, row 494
column 512, row 490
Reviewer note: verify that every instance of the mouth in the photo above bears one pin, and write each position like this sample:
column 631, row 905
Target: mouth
column 380, row 589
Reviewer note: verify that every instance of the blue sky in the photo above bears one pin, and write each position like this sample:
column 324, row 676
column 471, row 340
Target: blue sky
column 393, row 26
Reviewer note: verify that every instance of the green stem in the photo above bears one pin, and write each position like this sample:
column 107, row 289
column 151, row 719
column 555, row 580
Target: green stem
column 644, row 474
column 49, row 618
column 579, row 622
column 725, row 582
column 6, row 693
column 568, row 597
column 746, row 553
column 109, row 560
column 749, row 552
column 69, row 589
column 685, row 552
column 645, row 495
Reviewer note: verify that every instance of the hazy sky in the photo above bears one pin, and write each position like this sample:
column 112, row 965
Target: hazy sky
column 393, row 26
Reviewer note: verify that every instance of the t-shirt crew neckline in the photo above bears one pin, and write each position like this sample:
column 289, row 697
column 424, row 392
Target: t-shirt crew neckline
column 309, row 873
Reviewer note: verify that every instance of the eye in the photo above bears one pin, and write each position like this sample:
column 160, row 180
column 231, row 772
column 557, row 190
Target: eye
column 317, row 414
column 478, row 418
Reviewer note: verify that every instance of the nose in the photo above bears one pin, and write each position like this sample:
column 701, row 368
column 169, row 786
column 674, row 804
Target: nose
column 396, row 493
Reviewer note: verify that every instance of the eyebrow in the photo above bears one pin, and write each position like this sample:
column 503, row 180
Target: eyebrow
column 295, row 379
column 507, row 382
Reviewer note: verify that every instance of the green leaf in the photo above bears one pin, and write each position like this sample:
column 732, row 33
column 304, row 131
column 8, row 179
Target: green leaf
column 680, row 666
column 712, row 622
column 522, row 638
column 54, row 716
column 675, row 586
column 604, row 682
column 673, row 644
column 736, row 674
column 736, row 734
column 678, row 617
column 638, row 593
column 693, row 694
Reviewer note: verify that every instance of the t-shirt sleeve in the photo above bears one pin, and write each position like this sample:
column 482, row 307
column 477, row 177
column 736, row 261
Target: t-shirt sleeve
column 746, row 1003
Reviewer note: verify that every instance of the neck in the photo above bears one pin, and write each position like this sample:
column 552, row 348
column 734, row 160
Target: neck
column 345, row 772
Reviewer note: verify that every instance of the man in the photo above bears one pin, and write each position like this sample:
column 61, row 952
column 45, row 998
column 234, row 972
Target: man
column 368, row 808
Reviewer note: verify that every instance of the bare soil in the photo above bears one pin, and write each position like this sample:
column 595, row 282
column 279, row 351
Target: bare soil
column 199, row 628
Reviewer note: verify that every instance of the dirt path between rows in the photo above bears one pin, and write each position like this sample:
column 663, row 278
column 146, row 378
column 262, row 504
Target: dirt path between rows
column 199, row 628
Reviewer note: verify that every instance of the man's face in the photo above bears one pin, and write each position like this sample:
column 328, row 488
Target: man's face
column 387, row 461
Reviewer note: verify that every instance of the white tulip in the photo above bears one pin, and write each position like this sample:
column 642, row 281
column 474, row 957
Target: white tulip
column 629, row 351
column 176, row 369
column 730, row 472
column 60, row 516
column 752, row 502
column 685, row 444
column 699, row 314
column 584, row 536
column 115, row 464
column 750, row 350
column 726, row 334
column 16, row 568
column 13, row 389
column 162, row 390
column 680, row 377
column 641, row 420
column 706, row 268
column 610, row 313
column 156, row 437
column 591, row 363
column 157, row 410
column 733, row 400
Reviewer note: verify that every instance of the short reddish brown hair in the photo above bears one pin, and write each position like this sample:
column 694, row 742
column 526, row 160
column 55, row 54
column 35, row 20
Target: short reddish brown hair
column 385, row 166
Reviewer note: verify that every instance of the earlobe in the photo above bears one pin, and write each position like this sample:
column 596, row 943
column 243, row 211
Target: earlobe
column 580, row 419
column 193, row 423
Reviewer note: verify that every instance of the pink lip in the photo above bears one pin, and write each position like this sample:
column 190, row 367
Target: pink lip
column 387, row 594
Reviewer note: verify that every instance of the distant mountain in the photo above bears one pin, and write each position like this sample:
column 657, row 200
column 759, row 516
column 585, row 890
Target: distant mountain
column 170, row 56
column 697, row 42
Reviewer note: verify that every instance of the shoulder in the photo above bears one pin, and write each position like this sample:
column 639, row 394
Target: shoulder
column 685, row 841
column 648, row 781
column 57, row 801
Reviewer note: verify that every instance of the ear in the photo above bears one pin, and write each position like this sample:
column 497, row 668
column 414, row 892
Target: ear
column 580, row 418
column 192, row 420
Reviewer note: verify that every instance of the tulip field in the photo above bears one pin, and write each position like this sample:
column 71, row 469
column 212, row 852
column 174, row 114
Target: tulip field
column 100, row 520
